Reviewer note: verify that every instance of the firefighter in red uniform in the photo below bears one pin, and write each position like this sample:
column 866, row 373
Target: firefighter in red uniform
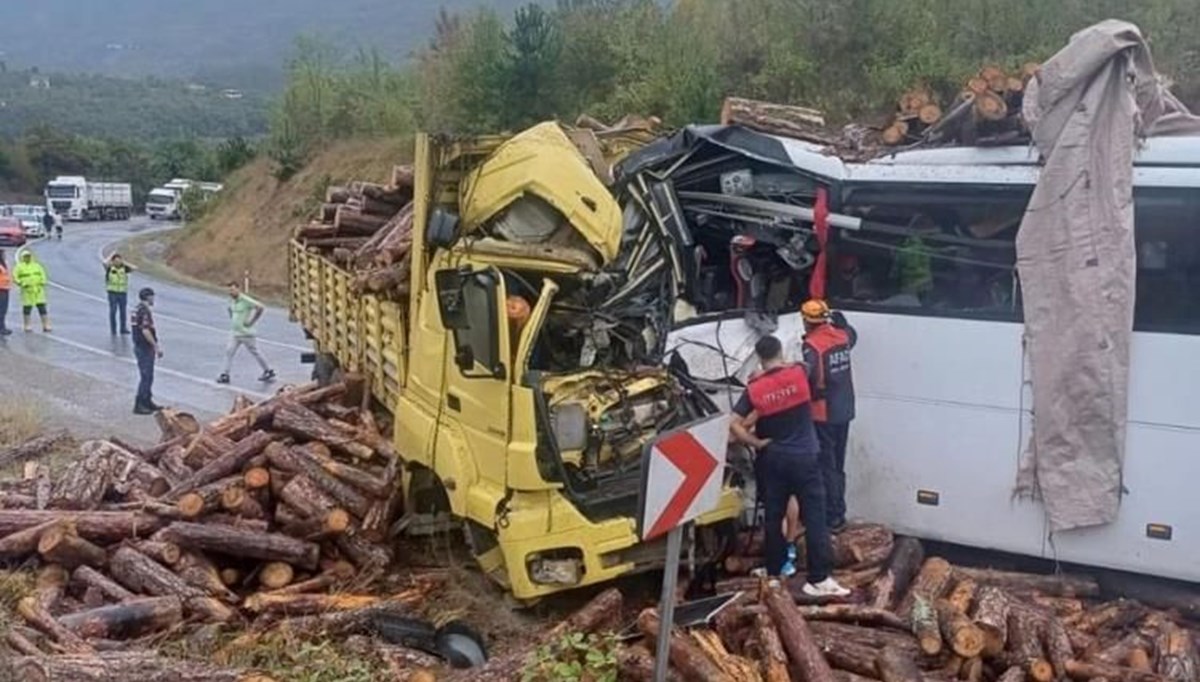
column 828, row 339
column 777, row 401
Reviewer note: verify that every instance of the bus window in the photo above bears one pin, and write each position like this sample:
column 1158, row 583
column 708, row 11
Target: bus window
column 933, row 250
column 1168, row 251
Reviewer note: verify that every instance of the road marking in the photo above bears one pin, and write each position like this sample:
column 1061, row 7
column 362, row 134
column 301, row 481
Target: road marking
column 207, row 383
column 189, row 323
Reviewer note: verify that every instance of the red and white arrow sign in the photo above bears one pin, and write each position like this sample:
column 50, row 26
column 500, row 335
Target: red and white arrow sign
column 683, row 475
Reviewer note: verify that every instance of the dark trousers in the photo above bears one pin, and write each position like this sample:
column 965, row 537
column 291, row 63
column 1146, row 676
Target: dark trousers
column 117, row 305
column 145, row 363
column 833, row 439
column 3, row 308
column 786, row 475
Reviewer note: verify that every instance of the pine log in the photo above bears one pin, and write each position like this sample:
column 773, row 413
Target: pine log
column 231, row 576
column 1064, row 607
column 345, row 495
column 930, row 583
column 62, row 545
column 990, row 107
column 403, row 177
column 342, row 571
column 174, row 423
column 772, row 658
column 50, row 586
column 972, row 670
column 140, row 573
column 795, row 634
column 21, row 644
column 24, row 542
column 240, row 423
column 601, row 613
column 228, row 463
column 896, row 666
column 166, row 553
column 350, row 221
column 93, row 579
column 1057, row 644
column 238, row 502
column 127, row 620
column 1025, row 646
column 893, row 134
column 902, row 566
column 97, row 526
column 991, row 617
column 687, row 658
column 124, row 666
column 1119, row 653
column 1062, row 585
column 962, row 596
column 364, row 554
column 858, row 544
column 276, row 575
column 926, row 627
column 83, row 484
column 636, row 664
column 129, row 472
column 1117, row 614
column 204, row 499
column 301, row 421
column 378, row 521
column 828, row 635
column 43, row 487
column 256, row 478
column 775, row 119
column 853, row 613
column 306, row 604
column 320, row 456
column 11, row 500
column 958, row 631
column 302, row 495
column 197, row 571
column 733, row 666
column 174, row 467
column 238, row 542
column 1013, row 674
column 395, row 197
column 1087, row 672
column 37, row 616
column 1177, row 659
column 32, row 448
column 852, row 657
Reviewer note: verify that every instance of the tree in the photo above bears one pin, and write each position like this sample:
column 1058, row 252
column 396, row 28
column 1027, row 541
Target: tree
column 532, row 53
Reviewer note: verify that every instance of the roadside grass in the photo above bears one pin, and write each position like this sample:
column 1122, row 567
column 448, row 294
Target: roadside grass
column 287, row 658
column 21, row 420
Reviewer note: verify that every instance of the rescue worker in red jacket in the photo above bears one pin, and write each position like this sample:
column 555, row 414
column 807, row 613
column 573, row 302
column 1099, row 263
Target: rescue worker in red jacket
column 778, row 401
column 828, row 340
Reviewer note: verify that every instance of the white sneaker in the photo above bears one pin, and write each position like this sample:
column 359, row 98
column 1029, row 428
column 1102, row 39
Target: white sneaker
column 826, row 588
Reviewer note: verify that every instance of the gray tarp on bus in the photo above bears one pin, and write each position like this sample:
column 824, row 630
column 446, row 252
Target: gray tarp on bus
column 1090, row 105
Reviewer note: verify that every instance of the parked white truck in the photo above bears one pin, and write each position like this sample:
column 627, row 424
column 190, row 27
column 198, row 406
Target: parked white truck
column 166, row 202
column 75, row 197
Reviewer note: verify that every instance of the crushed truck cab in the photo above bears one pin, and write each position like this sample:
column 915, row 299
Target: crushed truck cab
column 523, row 371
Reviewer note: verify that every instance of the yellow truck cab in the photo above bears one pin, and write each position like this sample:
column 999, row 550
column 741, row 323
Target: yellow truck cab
column 523, row 391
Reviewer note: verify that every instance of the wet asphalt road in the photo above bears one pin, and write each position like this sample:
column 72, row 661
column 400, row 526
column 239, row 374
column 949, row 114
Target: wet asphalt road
column 192, row 326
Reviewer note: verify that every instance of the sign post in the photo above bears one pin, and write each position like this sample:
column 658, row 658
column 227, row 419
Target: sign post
column 682, row 472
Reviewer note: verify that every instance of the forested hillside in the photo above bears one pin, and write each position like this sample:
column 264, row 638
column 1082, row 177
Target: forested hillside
column 490, row 70
column 138, row 109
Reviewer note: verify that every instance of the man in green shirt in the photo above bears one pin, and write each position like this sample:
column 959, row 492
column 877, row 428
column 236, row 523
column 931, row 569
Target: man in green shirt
column 243, row 314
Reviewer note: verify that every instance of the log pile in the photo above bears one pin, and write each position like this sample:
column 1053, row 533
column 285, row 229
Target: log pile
column 367, row 228
column 986, row 111
column 260, row 517
column 917, row 619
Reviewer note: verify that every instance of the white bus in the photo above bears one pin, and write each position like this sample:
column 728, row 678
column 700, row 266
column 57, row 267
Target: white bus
column 944, row 401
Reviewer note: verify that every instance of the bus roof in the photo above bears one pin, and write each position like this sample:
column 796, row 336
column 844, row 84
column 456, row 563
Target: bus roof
column 1160, row 162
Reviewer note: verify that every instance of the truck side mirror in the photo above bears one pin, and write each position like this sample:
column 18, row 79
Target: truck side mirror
column 465, row 359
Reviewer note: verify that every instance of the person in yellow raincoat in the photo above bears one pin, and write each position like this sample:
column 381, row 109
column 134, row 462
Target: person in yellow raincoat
column 31, row 278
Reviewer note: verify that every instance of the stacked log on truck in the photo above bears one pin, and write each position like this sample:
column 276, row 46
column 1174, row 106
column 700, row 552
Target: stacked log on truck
column 267, row 515
column 366, row 227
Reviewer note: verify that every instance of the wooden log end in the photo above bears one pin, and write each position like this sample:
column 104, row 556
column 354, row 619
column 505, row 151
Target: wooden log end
column 256, row 478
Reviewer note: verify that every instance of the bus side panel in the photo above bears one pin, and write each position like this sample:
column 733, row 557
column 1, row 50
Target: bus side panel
column 935, row 445
column 1162, row 464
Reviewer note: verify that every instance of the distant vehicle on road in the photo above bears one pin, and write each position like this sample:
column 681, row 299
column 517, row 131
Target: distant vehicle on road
column 75, row 197
column 12, row 233
column 30, row 217
column 166, row 202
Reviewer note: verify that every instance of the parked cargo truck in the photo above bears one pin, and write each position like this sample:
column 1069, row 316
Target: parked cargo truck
column 527, row 432
column 76, row 198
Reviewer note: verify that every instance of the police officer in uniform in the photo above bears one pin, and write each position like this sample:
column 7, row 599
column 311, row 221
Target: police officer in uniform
column 828, row 340
column 146, row 349
column 777, row 402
